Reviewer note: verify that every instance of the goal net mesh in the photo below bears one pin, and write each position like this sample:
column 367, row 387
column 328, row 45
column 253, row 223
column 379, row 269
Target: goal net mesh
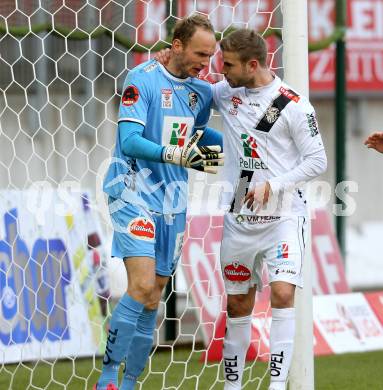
column 62, row 67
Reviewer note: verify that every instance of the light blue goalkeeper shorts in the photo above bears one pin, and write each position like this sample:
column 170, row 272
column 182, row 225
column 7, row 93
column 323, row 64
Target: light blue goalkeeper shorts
column 140, row 232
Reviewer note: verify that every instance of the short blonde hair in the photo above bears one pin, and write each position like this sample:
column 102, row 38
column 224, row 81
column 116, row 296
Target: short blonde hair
column 186, row 27
column 248, row 44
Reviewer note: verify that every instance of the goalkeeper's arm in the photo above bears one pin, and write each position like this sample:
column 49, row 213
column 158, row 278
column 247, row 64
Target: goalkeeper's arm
column 211, row 137
column 203, row 158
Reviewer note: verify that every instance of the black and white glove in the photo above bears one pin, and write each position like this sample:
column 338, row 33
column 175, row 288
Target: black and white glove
column 201, row 158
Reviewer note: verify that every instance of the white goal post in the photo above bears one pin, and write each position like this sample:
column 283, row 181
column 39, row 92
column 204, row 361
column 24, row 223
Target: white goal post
column 295, row 65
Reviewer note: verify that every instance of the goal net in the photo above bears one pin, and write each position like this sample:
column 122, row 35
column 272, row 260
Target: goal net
column 62, row 67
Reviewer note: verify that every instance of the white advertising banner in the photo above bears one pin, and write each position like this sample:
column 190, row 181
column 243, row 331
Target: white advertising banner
column 347, row 323
column 48, row 307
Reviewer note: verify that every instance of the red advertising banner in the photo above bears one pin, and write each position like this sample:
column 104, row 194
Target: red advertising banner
column 364, row 45
column 201, row 266
column 364, row 37
column 328, row 270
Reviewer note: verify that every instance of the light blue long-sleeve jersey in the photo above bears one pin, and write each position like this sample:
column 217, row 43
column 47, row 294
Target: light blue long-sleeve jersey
column 170, row 109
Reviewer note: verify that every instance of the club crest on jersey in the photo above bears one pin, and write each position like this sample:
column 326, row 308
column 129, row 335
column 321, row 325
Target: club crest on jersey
column 272, row 114
column 166, row 98
column 193, row 100
column 142, row 228
column 283, row 250
column 236, row 272
column 236, row 102
column 130, row 96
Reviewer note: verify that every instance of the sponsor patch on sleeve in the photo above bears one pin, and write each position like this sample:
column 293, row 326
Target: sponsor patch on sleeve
column 312, row 124
column 130, row 95
column 290, row 94
column 142, row 228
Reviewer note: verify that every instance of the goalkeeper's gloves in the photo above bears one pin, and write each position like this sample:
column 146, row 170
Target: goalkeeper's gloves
column 201, row 158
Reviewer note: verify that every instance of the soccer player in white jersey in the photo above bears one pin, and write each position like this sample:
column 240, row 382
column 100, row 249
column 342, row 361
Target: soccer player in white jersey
column 147, row 186
column 272, row 146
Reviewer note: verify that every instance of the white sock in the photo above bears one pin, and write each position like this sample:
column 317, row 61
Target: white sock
column 281, row 346
column 235, row 346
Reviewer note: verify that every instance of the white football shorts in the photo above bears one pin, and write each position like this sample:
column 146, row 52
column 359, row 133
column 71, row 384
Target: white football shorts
column 250, row 241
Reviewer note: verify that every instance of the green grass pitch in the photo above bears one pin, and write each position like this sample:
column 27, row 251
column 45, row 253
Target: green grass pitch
column 362, row 371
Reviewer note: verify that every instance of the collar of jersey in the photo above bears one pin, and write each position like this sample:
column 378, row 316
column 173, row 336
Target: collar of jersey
column 170, row 76
column 265, row 88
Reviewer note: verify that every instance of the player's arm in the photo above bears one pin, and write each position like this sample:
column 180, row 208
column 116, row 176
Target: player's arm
column 202, row 158
column 163, row 56
column 304, row 130
column 210, row 136
column 375, row 141
column 134, row 107
column 133, row 144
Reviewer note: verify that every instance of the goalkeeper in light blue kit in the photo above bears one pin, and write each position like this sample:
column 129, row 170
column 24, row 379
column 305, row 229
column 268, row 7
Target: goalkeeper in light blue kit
column 161, row 131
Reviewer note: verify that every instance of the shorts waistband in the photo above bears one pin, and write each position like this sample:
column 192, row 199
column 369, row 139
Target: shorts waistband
column 255, row 219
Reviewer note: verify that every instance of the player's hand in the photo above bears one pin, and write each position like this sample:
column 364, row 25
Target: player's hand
column 375, row 141
column 163, row 56
column 201, row 158
column 257, row 197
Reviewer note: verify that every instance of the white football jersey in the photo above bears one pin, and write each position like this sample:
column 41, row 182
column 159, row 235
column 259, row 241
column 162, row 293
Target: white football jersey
column 268, row 132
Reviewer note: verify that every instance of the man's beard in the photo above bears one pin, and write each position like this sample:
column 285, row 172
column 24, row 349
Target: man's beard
column 182, row 68
column 242, row 82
